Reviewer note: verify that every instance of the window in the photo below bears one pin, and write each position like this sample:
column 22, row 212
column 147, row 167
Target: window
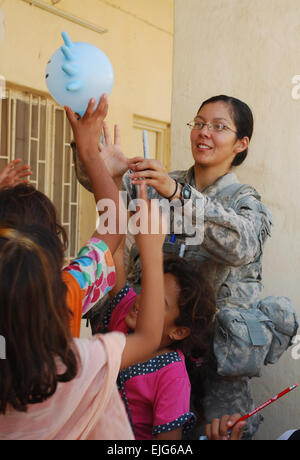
column 34, row 128
column 158, row 139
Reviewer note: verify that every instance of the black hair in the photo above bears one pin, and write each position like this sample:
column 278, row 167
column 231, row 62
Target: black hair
column 25, row 204
column 197, row 307
column 34, row 317
column 242, row 117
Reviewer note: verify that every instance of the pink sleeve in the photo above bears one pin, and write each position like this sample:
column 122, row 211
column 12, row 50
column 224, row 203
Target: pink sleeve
column 171, row 408
column 120, row 311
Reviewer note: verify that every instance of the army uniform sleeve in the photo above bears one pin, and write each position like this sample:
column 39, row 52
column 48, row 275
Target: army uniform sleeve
column 233, row 235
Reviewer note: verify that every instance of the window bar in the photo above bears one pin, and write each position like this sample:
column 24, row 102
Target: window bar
column 8, row 124
column 73, row 205
column 47, row 154
column 2, row 154
column 39, row 160
column 52, row 154
column 29, row 132
column 38, row 142
column 64, row 222
column 12, row 117
column 70, row 185
column 63, row 171
column 77, row 222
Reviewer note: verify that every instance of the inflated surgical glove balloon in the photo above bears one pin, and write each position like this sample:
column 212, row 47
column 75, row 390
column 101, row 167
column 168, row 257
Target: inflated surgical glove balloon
column 77, row 72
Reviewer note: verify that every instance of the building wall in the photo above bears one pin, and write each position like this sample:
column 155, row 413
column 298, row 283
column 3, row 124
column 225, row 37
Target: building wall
column 139, row 44
column 250, row 50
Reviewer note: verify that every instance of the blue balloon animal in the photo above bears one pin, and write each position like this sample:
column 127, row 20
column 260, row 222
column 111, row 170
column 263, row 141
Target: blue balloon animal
column 76, row 72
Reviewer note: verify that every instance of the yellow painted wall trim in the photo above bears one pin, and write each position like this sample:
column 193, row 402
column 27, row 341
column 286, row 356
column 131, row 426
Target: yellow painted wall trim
column 65, row 15
column 135, row 16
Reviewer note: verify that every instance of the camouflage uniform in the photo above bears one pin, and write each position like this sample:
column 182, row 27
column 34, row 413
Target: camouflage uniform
column 236, row 225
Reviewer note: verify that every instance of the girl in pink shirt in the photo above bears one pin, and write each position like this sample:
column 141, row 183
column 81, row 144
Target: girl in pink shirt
column 157, row 392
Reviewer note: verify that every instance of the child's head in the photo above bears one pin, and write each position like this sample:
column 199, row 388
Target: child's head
column 197, row 307
column 23, row 204
column 34, row 317
column 190, row 308
column 193, row 327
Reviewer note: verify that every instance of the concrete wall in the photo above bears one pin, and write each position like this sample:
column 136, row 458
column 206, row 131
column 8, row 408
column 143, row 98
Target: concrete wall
column 139, row 44
column 250, row 50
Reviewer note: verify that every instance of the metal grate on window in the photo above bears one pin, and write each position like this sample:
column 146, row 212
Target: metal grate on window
column 35, row 129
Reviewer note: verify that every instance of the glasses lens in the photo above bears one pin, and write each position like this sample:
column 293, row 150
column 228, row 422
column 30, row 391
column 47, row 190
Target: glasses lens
column 217, row 127
column 195, row 125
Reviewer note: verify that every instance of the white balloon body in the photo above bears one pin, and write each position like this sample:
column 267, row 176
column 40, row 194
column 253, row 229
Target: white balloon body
column 77, row 74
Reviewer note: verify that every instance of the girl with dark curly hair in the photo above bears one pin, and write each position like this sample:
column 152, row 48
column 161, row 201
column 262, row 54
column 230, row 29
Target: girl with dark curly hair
column 157, row 392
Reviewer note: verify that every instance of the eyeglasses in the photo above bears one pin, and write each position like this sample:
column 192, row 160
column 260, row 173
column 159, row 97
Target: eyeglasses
column 215, row 127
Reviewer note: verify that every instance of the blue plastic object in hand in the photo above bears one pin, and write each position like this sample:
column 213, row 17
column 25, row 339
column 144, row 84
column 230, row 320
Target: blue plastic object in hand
column 77, row 72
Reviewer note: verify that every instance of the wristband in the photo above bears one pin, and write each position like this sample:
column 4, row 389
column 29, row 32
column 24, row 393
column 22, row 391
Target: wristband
column 173, row 194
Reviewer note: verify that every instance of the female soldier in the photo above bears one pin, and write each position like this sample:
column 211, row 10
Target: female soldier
column 236, row 225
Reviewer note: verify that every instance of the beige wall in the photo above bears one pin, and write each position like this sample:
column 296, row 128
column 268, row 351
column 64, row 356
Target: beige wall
column 250, row 50
column 139, row 44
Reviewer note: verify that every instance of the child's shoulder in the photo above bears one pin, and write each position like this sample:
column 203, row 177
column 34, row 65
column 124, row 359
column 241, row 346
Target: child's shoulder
column 166, row 351
column 165, row 361
column 168, row 365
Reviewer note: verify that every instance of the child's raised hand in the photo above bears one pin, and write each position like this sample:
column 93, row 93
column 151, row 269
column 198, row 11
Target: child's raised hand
column 14, row 173
column 114, row 159
column 152, row 224
column 87, row 130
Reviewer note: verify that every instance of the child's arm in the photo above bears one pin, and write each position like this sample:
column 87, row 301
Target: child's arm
column 87, row 132
column 173, row 435
column 118, row 258
column 147, row 335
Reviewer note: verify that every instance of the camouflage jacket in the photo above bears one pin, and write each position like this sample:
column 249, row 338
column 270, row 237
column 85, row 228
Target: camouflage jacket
column 235, row 227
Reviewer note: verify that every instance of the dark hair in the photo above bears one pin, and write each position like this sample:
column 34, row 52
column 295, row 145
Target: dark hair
column 34, row 317
column 197, row 306
column 25, row 204
column 242, row 117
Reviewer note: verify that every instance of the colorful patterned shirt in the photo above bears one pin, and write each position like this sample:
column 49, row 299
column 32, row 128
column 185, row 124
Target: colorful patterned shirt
column 88, row 278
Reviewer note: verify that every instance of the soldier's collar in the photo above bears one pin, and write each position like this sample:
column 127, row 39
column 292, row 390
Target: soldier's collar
column 214, row 189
